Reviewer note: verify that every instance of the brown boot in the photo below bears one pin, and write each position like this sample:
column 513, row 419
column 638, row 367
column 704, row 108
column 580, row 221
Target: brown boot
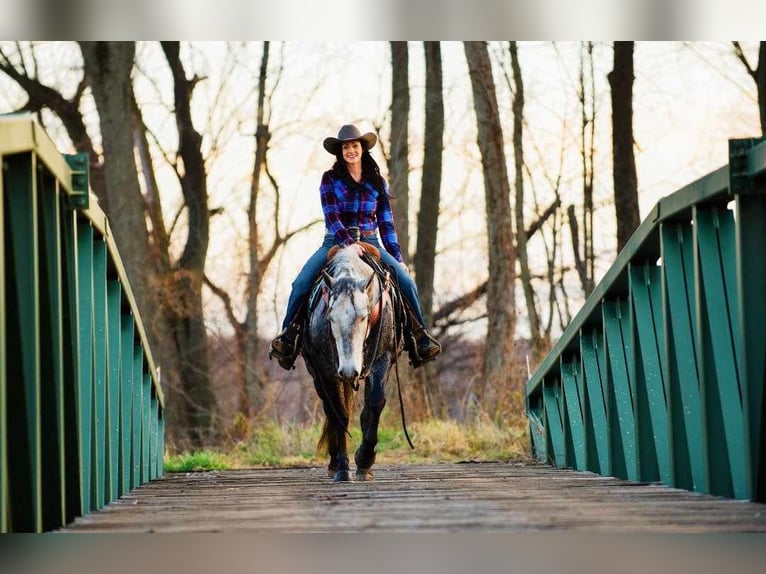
column 284, row 348
column 428, row 348
column 421, row 347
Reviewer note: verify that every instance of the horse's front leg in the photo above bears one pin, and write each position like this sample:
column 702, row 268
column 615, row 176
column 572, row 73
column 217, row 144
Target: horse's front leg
column 336, row 428
column 374, row 401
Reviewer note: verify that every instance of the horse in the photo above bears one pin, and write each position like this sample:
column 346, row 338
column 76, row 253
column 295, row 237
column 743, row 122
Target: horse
column 350, row 336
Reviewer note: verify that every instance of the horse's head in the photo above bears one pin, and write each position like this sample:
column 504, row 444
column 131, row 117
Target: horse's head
column 352, row 293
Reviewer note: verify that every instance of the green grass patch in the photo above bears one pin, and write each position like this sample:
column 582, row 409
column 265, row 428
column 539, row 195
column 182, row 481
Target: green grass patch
column 197, row 461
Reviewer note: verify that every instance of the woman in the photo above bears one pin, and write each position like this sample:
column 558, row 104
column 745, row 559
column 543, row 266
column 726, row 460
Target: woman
column 353, row 194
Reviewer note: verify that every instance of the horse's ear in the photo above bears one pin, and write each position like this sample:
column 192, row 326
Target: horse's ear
column 329, row 281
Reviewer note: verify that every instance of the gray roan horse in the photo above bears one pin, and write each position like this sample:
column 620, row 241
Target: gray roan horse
column 350, row 337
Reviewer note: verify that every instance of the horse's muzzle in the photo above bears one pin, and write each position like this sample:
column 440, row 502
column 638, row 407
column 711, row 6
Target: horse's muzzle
column 348, row 375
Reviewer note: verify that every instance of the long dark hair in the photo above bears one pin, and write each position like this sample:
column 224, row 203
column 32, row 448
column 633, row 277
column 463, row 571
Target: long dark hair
column 370, row 170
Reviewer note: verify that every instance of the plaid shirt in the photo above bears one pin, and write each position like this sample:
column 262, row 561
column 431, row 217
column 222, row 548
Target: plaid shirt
column 361, row 205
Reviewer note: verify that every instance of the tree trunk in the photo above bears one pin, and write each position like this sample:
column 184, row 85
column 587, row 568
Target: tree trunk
column 760, row 82
column 107, row 67
column 624, row 170
column 253, row 381
column 187, row 317
column 399, row 167
column 521, row 232
column 428, row 214
column 501, row 311
column 588, row 127
column 759, row 77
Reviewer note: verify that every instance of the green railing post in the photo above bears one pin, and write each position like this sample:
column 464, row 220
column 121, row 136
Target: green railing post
column 4, row 500
column 23, row 390
column 51, row 353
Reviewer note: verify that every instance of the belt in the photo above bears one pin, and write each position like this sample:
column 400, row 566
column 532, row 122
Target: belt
column 362, row 233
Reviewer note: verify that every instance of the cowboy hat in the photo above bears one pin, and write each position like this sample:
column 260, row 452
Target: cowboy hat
column 349, row 133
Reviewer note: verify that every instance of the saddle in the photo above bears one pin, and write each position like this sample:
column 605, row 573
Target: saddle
column 371, row 256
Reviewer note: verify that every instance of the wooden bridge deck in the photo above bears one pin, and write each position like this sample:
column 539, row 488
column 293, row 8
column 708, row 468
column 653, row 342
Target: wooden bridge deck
column 514, row 496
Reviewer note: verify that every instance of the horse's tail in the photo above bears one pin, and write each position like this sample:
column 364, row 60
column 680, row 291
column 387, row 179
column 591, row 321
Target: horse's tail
column 323, row 438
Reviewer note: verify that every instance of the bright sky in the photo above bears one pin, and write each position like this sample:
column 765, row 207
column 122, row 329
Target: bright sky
column 688, row 101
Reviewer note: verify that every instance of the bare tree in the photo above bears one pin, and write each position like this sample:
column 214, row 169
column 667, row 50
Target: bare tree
column 584, row 263
column 501, row 311
column 624, row 162
column 186, row 315
column 398, row 165
column 758, row 73
column 428, row 214
column 250, row 377
column 518, row 156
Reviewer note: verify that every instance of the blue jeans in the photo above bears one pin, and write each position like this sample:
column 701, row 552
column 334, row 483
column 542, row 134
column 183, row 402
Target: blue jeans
column 305, row 279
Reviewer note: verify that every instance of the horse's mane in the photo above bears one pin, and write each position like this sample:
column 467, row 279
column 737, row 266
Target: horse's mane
column 343, row 259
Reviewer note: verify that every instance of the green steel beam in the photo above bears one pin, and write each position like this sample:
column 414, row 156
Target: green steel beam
column 751, row 311
column 622, row 425
column 161, row 445
column 728, row 459
column 137, row 421
column 126, row 402
column 99, row 372
column 71, row 329
column 114, row 315
column 154, row 422
column 572, row 383
column 651, row 404
column 51, row 353
column 85, row 399
column 537, row 432
column 591, row 351
column 684, row 405
column 23, row 352
column 756, row 160
column 146, row 435
column 554, row 422
column 4, row 500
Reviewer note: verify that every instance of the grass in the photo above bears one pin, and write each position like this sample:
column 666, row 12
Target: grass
column 197, row 461
column 289, row 445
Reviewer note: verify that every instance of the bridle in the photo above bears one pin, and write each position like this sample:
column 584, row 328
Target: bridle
column 374, row 316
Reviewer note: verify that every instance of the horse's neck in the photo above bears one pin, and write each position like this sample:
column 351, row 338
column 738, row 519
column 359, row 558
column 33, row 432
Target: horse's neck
column 348, row 264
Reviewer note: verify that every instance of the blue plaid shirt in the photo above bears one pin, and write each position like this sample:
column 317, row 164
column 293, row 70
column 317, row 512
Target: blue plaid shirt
column 346, row 205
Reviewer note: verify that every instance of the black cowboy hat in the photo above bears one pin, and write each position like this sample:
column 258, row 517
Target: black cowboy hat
column 349, row 133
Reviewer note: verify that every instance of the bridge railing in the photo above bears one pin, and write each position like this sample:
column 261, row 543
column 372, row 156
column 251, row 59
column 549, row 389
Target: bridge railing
column 81, row 408
column 660, row 376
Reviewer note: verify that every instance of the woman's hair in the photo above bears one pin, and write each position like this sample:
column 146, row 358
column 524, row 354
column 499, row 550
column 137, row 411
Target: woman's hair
column 370, row 169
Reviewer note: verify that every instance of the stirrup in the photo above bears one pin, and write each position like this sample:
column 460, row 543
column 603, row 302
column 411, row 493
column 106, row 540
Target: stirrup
column 426, row 347
column 282, row 351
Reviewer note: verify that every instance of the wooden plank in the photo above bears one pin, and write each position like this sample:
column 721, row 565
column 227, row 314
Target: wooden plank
column 511, row 496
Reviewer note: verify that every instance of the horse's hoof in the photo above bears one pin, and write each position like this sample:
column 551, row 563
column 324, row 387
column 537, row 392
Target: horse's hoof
column 364, row 474
column 342, row 476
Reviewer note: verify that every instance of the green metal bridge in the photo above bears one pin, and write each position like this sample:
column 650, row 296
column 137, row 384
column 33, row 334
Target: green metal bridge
column 660, row 376
column 659, row 379
column 81, row 409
